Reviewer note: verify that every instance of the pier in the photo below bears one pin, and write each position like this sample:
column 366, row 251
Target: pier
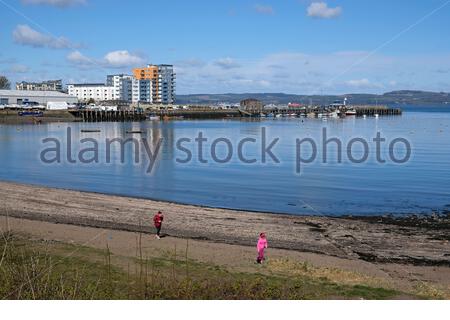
column 360, row 111
column 372, row 111
column 208, row 113
column 109, row 116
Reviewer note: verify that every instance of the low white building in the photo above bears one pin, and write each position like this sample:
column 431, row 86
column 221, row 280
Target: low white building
column 96, row 91
column 22, row 97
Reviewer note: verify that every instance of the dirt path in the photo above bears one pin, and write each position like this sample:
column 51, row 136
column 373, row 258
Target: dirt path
column 234, row 257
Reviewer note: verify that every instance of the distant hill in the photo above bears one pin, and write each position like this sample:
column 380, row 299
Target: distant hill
column 394, row 97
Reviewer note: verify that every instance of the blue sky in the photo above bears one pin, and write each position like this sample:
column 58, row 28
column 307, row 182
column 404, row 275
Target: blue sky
column 292, row 46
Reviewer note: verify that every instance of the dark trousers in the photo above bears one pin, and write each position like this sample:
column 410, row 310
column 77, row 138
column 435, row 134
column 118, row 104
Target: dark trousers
column 158, row 230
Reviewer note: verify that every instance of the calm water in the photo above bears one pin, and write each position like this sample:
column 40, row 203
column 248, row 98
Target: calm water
column 419, row 186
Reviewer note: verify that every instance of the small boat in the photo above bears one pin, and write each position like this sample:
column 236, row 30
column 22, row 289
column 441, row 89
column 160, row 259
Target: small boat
column 279, row 115
column 262, row 115
column 377, row 115
column 270, row 115
column 90, row 130
column 350, row 112
column 31, row 114
column 334, row 114
column 153, row 117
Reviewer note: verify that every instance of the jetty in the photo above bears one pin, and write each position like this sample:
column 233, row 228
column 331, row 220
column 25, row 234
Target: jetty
column 358, row 111
column 210, row 113
column 109, row 116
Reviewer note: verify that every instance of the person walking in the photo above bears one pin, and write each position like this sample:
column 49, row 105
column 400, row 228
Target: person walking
column 260, row 247
column 158, row 220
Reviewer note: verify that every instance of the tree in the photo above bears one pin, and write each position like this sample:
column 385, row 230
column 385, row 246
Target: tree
column 4, row 83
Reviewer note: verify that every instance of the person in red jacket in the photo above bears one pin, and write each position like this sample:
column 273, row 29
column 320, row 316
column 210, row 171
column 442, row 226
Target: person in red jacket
column 157, row 220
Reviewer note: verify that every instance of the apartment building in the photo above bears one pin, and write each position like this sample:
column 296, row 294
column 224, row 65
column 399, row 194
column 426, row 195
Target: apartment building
column 162, row 79
column 96, row 91
column 123, row 86
column 152, row 84
column 51, row 85
column 142, row 91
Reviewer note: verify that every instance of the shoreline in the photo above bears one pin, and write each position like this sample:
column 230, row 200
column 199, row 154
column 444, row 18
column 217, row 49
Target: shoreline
column 420, row 241
column 11, row 117
column 394, row 218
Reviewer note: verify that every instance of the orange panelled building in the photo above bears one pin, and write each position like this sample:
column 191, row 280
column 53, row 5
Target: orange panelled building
column 147, row 73
column 162, row 80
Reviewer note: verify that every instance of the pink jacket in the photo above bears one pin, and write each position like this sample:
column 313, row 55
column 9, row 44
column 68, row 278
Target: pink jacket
column 262, row 243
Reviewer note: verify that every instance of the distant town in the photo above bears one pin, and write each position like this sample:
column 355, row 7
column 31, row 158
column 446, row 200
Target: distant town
column 149, row 85
column 154, row 87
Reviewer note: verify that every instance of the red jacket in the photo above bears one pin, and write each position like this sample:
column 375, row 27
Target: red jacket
column 158, row 219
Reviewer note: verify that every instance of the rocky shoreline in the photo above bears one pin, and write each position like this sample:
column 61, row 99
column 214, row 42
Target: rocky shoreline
column 12, row 117
column 413, row 240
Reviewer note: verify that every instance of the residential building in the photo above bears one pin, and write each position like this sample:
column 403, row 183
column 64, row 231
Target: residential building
column 21, row 97
column 142, row 91
column 122, row 84
column 162, row 78
column 51, row 85
column 96, row 91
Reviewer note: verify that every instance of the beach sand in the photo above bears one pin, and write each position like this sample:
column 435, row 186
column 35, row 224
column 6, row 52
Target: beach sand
column 403, row 252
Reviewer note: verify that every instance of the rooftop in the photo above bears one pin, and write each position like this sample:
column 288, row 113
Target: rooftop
column 39, row 82
column 27, row 93
column 87, row 84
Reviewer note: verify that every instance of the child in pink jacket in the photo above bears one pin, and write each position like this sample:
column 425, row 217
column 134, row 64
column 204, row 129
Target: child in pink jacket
column 261, row 246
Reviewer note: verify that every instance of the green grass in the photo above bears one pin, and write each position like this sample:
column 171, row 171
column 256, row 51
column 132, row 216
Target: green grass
column 32, row 269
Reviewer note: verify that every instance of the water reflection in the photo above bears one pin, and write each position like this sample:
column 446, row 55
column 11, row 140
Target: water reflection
column 421, row 185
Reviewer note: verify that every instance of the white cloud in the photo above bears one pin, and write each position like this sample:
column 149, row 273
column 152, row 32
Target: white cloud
column 294, row 72
column 227, row 63
column 363, row 84
column 19, row 68
column 264, row 9
column 122, row 58
column 321, row 10
column 27, row 36
column 55, row 3
column 393, row 83
column 77, row 58
column 114, row 59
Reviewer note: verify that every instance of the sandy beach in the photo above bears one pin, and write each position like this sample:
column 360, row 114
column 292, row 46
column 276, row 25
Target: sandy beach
column 399, row 251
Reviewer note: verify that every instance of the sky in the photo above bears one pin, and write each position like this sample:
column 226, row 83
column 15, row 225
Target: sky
column 234, row 46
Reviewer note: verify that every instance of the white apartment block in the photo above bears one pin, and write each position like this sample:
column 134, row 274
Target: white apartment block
column 142, row 91
column 96, row 91
column 151, row 87
column 166, row 84
column 122, row 84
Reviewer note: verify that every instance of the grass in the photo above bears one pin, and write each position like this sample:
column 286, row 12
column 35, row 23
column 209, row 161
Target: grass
column 31, row 269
